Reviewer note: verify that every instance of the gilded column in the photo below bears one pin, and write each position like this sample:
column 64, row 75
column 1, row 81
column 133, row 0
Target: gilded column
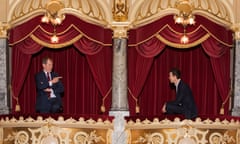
column 4, row 95
column 236, row 73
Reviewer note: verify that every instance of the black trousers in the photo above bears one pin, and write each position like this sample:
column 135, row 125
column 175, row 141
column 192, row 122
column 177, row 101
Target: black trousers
column 54, row 107
column 173, row 108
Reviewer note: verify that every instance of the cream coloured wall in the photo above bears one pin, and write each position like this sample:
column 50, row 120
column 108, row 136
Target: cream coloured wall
column 236, row 6
column 3, row 10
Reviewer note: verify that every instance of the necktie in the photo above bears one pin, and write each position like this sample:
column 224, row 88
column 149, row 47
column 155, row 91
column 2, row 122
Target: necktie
column 48, row 77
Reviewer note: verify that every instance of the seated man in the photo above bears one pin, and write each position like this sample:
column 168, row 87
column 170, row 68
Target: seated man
column 184, row 102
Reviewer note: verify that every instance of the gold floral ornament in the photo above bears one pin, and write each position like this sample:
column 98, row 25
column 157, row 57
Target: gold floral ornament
column 120, row 10
column 53, row 12
column 54, row 16
column 184, row 17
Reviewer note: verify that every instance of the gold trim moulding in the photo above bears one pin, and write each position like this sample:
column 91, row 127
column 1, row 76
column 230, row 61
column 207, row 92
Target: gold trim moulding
column 183, row 131
column 176, row 123
column 70, row 122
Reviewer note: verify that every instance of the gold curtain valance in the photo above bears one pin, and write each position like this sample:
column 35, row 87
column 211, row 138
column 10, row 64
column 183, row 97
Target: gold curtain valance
column 55, row 45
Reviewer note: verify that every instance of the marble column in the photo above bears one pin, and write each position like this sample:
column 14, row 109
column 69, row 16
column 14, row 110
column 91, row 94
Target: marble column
column 119, row 108
column 4, row 95
column 119, row 74
column 236, row 82
column 119, row 78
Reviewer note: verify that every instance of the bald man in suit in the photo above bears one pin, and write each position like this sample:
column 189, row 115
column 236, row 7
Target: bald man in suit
column 49, row 89
column 184, row 102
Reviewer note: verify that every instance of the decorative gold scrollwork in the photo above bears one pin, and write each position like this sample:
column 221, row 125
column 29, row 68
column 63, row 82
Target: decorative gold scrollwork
column 21, row 137
column 154, row 138
column 218, row 138
column 84, row 138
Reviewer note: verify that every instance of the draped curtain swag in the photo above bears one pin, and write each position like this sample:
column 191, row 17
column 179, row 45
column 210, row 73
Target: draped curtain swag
column 151, row 52
column 31, row 37
column 150, row 40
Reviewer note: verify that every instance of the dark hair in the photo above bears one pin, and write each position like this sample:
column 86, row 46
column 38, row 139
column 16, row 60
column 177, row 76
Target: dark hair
column 45, row 59
column 176, row 72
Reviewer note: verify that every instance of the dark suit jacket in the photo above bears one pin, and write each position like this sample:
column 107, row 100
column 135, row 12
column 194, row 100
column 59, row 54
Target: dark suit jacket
column 184, row 102
column 43, row 103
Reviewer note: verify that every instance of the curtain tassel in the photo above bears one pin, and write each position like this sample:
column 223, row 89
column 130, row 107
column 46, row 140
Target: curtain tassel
column 17, row 107
column 137, row 109
column 228, row 96
column 222, row 110
column 103, row 109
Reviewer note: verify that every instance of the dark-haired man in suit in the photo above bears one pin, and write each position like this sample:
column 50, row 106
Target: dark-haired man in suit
column 184, row 102
column 49, row 89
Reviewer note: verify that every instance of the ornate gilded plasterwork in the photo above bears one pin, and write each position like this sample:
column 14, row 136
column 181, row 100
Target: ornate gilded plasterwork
column 236, row 29
column 146, row 11
column 120, row 32
column 120, row 10
column 3, row 29
column 135, row 12
column 94, row 11
column 185, row 131
column 41, row 131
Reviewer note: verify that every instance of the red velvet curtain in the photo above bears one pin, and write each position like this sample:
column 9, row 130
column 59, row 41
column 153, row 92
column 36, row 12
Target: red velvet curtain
column 196, row 71
column 77, row 79
column 220, row 61
column 82, row 95
column 139, row 65
column 85, row 63
column 150, row 56
column 212, row 59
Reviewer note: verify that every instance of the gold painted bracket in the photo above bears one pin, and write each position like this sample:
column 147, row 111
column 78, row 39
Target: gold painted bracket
column 4, row 27
column 236, row 29
column 120, row 10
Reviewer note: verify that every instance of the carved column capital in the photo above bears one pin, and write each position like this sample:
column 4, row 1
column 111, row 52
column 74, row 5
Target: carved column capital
column 4, row 29
column 236, row 30
column 120, row 32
